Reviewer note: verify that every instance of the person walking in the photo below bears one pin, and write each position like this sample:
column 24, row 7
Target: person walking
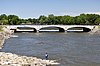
column 46, row 56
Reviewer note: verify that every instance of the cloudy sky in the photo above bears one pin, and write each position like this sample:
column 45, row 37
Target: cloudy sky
column 35, row 8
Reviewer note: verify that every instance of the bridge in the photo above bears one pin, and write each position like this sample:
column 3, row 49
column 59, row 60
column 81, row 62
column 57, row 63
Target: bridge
column 60, row 28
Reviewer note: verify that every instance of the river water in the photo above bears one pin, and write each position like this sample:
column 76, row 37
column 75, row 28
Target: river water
column 69, row 49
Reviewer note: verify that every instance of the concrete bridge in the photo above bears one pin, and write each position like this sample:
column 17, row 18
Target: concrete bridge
column 61, row 28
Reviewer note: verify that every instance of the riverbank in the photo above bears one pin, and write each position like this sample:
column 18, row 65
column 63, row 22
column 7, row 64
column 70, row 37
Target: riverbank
column 96, row 30
column 9, row 59
column 4, row 34
column 1, row 40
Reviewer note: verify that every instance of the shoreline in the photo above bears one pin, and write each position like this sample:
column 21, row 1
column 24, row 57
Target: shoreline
column 1, row 40
column 3, row 37
column 9, row 59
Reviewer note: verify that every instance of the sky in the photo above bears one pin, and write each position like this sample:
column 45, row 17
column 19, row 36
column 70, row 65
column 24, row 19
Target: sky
column 35, row 8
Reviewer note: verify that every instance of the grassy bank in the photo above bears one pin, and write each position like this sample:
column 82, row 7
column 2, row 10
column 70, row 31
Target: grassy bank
column 1, row 30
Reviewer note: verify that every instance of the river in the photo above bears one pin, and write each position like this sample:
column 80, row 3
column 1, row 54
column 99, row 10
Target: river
column 69, row 49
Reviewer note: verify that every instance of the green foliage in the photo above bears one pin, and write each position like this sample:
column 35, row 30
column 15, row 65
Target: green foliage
column 97, row 21
column 13, row 20
column 3, row 19
column 42, row 19
column 82, row 19
column 1, row 28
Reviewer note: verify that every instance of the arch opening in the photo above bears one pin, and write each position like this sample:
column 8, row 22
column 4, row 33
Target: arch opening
column 51, row 29
column 78, row 29
column 25, row 29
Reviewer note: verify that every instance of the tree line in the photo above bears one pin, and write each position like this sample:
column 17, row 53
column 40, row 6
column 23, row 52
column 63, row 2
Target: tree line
column 82, row 19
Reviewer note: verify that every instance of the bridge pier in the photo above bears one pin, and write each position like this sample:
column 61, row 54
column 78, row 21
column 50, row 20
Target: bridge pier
column 35, row 30
column 61, row 30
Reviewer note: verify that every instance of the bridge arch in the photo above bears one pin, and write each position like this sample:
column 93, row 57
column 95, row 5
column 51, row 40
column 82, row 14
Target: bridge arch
column 25, row 29
column 79, row 29
column 52, row 28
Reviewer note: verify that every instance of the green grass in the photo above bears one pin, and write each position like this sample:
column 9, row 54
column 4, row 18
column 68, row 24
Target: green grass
column 1, row 30
column 98, row 26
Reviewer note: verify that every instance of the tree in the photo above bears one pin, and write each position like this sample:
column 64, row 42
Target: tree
column 71, row 21
column 35, row 21
column 91, row 18
column 13, row 20
column 3, row 19
column 65, row 20
column 51, row 19
column 42, row 19
column 81, row 19
column 97, row 21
